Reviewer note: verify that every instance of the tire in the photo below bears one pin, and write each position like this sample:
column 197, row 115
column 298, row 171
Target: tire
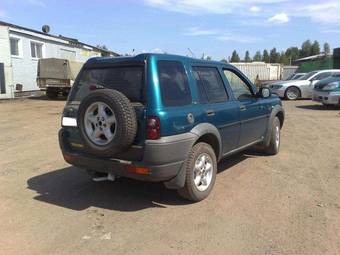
column 123, row 130
column 51, row 93
column 190, row 190
column 275, row 138
column 292, row 93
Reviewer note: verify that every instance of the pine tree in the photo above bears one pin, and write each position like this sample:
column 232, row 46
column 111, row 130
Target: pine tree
column 326, row 48
column 235, row 57
column 274, row 56
column 247, row 57
column 315, row 49
column 306, row 49
column 257, row 56
column 265, row 56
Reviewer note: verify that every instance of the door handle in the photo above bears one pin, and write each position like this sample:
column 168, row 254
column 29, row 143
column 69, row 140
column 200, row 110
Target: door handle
column 243, row 108
column 210, row 112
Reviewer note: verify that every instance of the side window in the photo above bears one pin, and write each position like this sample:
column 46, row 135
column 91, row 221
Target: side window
column 174, row 84
column 210, row 85
column 322, row 76
column 238, row 86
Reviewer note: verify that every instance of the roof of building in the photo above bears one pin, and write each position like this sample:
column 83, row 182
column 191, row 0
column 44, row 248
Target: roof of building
column 72, row 41
column 321, row 55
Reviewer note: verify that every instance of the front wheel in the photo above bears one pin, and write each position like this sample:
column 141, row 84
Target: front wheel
column 201, row 169
column 292, row 93
column 275, row 138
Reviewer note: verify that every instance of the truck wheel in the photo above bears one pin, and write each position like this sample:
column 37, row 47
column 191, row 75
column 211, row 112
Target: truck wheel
column 292, row 93
column 51, row 93
column 201, row 168
column 275, row 137
column 107, row 122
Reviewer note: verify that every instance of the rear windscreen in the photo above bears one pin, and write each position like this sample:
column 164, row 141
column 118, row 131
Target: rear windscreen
column 127, row 80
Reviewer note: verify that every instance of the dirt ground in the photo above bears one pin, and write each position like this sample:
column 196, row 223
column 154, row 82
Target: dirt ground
column 284, row 204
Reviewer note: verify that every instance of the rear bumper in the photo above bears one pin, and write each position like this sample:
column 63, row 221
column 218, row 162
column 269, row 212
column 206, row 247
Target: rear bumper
column 163, row 158
column 325, row 97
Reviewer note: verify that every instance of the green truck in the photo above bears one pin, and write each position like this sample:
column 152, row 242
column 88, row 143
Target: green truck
column 56, row 76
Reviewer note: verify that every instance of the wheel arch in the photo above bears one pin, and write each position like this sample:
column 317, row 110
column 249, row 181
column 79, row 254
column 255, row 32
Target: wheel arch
column 209, row 134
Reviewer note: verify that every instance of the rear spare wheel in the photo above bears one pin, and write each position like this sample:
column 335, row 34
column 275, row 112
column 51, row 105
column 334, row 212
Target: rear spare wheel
column 107, row 122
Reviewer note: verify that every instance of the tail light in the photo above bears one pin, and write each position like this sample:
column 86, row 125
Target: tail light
column 153, row 128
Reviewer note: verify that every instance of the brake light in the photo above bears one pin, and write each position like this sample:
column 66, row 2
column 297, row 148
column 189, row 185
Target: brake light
column 153, row 128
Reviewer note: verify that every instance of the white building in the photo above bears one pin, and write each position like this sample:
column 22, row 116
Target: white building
column 20, row 49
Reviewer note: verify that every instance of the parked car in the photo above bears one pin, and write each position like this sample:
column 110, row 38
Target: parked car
column 302, row 87
column 294, row 76
column 165, row 118
column 327, row 91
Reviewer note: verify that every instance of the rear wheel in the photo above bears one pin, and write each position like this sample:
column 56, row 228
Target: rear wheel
column 201, row 168
column 292, row 93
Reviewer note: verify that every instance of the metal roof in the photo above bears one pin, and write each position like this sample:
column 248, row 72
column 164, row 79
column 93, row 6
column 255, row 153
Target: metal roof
column 72, row 41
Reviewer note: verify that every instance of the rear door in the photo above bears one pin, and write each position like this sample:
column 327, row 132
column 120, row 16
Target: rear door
column 253, row 114
column 216, row 105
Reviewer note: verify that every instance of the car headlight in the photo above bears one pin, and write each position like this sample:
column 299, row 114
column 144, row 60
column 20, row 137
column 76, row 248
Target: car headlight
column 331, row 86
column 276, row 86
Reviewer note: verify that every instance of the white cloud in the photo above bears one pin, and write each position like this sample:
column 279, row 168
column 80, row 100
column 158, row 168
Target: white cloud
column 279, row 18
column 237, row 38
column 195, row 31
column 255, row 9
column 326, row 12
column 197, row 7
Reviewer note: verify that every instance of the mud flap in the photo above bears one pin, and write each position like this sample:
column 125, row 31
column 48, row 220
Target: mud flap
column 178, row 181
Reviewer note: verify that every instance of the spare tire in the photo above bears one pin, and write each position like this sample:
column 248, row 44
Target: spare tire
column 107, row 122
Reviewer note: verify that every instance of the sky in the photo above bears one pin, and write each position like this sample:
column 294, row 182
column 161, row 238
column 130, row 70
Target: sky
column 186, row 27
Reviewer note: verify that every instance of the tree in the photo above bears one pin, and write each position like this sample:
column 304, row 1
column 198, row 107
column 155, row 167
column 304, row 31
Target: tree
column 257, row 56
column 208, row 58
column 306, row 49
column 326, row 48
column 265, row 56
column 223, row 60
column 274, row 56
column 235, row 57
column 315, row 49
column 284, row 59
column 292, row 54
column 247, row 57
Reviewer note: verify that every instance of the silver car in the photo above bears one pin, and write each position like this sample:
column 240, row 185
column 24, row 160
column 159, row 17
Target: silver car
column 302, row 87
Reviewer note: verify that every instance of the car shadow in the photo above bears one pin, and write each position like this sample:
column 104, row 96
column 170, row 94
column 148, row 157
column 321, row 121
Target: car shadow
column 72, row 188
column 318, row 107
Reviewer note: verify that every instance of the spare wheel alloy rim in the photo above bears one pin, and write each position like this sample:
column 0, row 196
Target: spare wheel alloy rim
column 100, row 123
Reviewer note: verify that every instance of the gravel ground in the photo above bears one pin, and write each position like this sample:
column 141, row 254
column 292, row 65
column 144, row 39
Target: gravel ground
column 284, row 204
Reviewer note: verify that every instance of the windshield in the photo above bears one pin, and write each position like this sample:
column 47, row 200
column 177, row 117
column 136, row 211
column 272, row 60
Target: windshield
column 297, row 76
column 127, row 80
column 307, row 76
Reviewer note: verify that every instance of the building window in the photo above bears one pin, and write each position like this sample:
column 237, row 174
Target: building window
column 14, row 46
column 36, row 50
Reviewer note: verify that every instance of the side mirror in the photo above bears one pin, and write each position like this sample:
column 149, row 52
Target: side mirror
column 264, row 92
